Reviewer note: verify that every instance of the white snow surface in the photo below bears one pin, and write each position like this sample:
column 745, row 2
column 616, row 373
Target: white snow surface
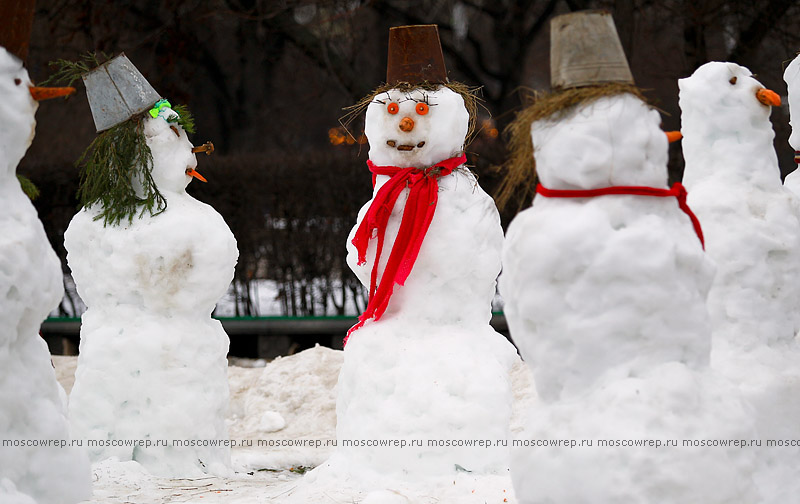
column 792, row 78
column 605, row 298
column 302, row 389
column 752, row 226
column 431, row 368
column 31, row 405
column 152, row 362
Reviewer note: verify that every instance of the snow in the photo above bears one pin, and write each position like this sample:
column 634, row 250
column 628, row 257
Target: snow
column 152, row 362
column 431, row 368
column 31, row 406
column 616, row 331
column 302, row 389
column 792, row 77
column 752, row 226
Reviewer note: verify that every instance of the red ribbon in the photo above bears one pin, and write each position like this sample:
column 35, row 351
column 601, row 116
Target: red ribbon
column 423, row 195
column 677, row 190
column 797, row 157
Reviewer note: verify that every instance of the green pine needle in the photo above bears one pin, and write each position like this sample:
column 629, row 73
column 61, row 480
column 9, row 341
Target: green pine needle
column 28, row 187
column 69, row 71
column 114, row 165
column 185, row 119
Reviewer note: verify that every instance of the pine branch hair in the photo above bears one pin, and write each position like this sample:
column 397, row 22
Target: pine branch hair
column 115, row 163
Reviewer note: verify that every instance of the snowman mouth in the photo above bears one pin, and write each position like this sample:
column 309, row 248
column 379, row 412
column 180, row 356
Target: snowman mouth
column 404, row 147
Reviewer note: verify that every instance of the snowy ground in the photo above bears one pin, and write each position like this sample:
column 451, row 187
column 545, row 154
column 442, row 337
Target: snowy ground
column 291, row 399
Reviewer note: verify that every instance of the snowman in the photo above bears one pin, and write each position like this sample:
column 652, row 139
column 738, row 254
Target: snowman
column 151, row 383
column 752, row 225
column 792, row 77
column 31, row 409
column 423, row 367
column 604, row 281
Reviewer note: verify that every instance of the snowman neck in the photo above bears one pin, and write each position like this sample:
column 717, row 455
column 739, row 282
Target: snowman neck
column 745, row 155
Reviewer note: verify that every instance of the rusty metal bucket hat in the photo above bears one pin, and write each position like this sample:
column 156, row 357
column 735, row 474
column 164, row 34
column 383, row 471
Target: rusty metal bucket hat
column 16, row 22
column 415, row 55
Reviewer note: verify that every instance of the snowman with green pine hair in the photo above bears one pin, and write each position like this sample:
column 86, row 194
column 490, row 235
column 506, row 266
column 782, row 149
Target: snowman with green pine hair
column 150, row 262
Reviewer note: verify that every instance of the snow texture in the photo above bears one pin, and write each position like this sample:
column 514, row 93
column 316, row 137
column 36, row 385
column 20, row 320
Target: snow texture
column 152, row 361
column 301, row 388
column 605, row 298
column 431, row 368
column 752, row 226
column 792, row 77
column 31, row 405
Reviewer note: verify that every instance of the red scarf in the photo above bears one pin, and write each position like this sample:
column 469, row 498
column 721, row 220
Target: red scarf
column 677, row 191
column 423, row 194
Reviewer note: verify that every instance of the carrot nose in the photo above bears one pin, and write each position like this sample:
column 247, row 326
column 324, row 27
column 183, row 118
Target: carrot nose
column 192, row 173
column 407, row 124
column 673, row 136
column 768, row 97
column 45, row 93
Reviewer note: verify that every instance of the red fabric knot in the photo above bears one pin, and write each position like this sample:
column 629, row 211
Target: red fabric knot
column 423, row 186
column 677, row 190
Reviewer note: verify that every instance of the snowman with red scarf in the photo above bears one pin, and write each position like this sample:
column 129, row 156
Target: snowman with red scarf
column 605, row 282
column 423, row 364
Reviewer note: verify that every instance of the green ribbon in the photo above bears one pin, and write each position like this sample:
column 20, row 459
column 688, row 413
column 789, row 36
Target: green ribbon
column 160, row 104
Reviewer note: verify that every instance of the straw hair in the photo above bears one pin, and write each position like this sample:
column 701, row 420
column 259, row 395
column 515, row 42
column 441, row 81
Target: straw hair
column 469, row 94
column 518, row 184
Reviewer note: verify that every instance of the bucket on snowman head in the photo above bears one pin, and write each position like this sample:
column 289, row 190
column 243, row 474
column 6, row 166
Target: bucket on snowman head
column 16, row 21
column 585, row 50
column 117, row 91
column 415, row 55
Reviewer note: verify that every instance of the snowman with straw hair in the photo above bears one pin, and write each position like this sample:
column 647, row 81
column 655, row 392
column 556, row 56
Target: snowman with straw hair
column 31, row 285
column 150, row 262
column 605, row 282
column 423, row 362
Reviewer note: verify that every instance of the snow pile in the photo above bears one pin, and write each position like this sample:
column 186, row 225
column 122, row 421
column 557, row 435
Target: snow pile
column 752, row 226
column 792, row 77
column 152, row 362
column 31, row 407
column 292, row 398
column 615, row 329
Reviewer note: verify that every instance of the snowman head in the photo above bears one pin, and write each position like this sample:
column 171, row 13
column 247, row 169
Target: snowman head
column 792, row 78
column 724, row 97
column 416, row 127
column 17, row 109
column 171, row 150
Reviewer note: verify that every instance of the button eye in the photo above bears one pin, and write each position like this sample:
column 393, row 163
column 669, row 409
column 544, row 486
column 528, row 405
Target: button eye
column 733, row 80
column 422, row 108
column 17, row 81
column 393, row 108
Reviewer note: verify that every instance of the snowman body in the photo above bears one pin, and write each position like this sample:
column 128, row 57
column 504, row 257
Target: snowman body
column 605, row 299
column 31, row 284
column 752, row 226
column 792, row 78
column 752, row 223
column 431, row 370
column 152, row 365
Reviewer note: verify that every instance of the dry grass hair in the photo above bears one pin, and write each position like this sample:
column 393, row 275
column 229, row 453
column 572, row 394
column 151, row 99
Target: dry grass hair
column 519, row 178
column 469, row 94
